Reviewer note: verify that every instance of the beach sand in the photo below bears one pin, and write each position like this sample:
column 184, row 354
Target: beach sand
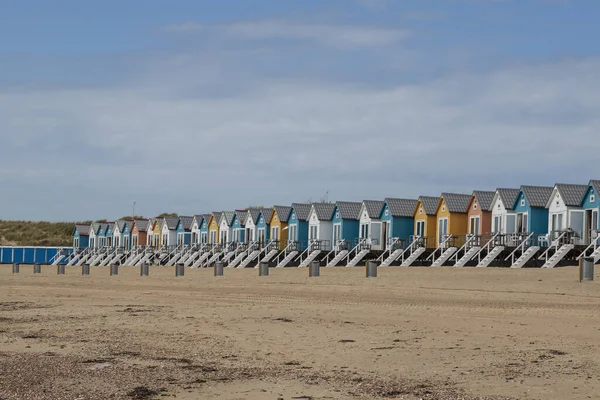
column 411, row 333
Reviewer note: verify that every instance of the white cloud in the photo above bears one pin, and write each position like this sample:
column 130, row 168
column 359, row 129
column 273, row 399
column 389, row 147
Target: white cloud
column 96, row 150
column 330, row 34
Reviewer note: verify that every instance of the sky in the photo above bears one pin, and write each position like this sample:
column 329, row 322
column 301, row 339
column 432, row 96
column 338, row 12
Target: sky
column 197, row 106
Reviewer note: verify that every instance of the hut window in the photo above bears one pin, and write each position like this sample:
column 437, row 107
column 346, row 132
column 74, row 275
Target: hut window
column 420, row 211
column 337, row 214
column 443, row 208
column 522, row 202
column 475, row 206
column 387, row 212
column 592, row 198
column 293, row 216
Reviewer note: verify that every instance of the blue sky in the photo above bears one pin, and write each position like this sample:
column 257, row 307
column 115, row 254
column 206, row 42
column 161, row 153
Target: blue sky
column 199, row 106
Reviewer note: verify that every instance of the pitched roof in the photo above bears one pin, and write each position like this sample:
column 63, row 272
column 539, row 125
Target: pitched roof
column 457, row 203
column 96, row 226
column 401, row 207
column 508, row 197
column 228, row 215
column 537, row 196
column 571, row 194
column 254, row 213
column 241, row 216
column 301, row 210
column 324, row 211
column 186, row 222
column 267, row 213
column 207, row 217
column 484, row 199
column 373, row 208
column 217, row 216
column 84, row 230
column 142, row 224
column 429, row 204
column 283, row 212
column 198, row 218
column 171, row 222
column 121, row 224
column 596, row 185
column 349, row 209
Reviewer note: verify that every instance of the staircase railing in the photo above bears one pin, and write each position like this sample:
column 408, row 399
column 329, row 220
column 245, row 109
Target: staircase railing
column 556, row 243
column 361, row 244
column 471, row 240
column 446, row 239
column 313, row 245
column 488, row 246
column 593, row 246
column 390, row 248
column 291, row 246
column 340, row 245
column 520, row 247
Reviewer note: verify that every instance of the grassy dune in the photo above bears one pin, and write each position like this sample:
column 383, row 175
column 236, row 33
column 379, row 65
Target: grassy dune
column 30, row 233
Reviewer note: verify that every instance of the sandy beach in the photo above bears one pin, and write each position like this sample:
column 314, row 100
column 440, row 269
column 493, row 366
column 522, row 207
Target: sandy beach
column 411, row 333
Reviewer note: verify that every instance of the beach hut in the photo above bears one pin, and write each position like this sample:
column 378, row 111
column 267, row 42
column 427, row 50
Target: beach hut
column 591, row 208
column 346, row 222
column 279, row 225
column 93, row 237
column 452, row 218
column 251, row 219
column 109, row 235
column 184, row 230
column 263, row 227
column 117, row 241
column 530, row 209
column 503, row 213
column 157, row 233
column 239, row 226
column 370, row 224
column 226, row 227
column 480, row 214
column 397, row 219
column 204, row 228
column 320, row 227
column 196, row 224
column 298, row 225
column 169, row 231
column 426, row 220
column 141, row 232
column 101, row 235
column 213, row 228
column 565, row 211
column 81, row 236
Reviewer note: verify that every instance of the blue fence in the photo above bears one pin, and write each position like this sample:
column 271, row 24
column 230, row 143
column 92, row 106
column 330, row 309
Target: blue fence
column 32, row 255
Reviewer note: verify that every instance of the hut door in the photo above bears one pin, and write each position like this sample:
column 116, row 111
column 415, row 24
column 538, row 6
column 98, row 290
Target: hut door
column 421, row 228
column 384, row 235
column 292, row 233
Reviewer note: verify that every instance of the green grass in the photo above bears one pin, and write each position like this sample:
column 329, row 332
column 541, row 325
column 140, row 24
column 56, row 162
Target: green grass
column 29, row 233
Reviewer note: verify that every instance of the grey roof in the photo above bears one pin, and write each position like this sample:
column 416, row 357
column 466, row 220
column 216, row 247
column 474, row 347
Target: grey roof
column 283, row 212
column 242, row 215
column 429, row 204
column 373, row 208
column 96, row 226
column 571, row 194
column 84, row 230
column 349, row 209
column 142, row 224
column 206, row 217
column 121, row 224
column 537, row 196
column 254, row 213
column 228, row 215
column 187, row 222
column 324, row 211
column 401, row 207
column 596, row 185
column 484, row 199
column 508, row 197
column 198, row 218
column 171, row 222
column 301, row 210
column 457, row 203
column 267, row 213
column 217, row 216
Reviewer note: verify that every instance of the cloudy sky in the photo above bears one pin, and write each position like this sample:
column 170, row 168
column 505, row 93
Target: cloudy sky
column 197, row 105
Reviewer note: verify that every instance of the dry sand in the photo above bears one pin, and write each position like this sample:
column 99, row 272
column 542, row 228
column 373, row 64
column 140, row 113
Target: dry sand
column 411, row 333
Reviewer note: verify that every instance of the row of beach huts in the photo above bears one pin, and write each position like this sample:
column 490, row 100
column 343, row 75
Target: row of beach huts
column 532, row 226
